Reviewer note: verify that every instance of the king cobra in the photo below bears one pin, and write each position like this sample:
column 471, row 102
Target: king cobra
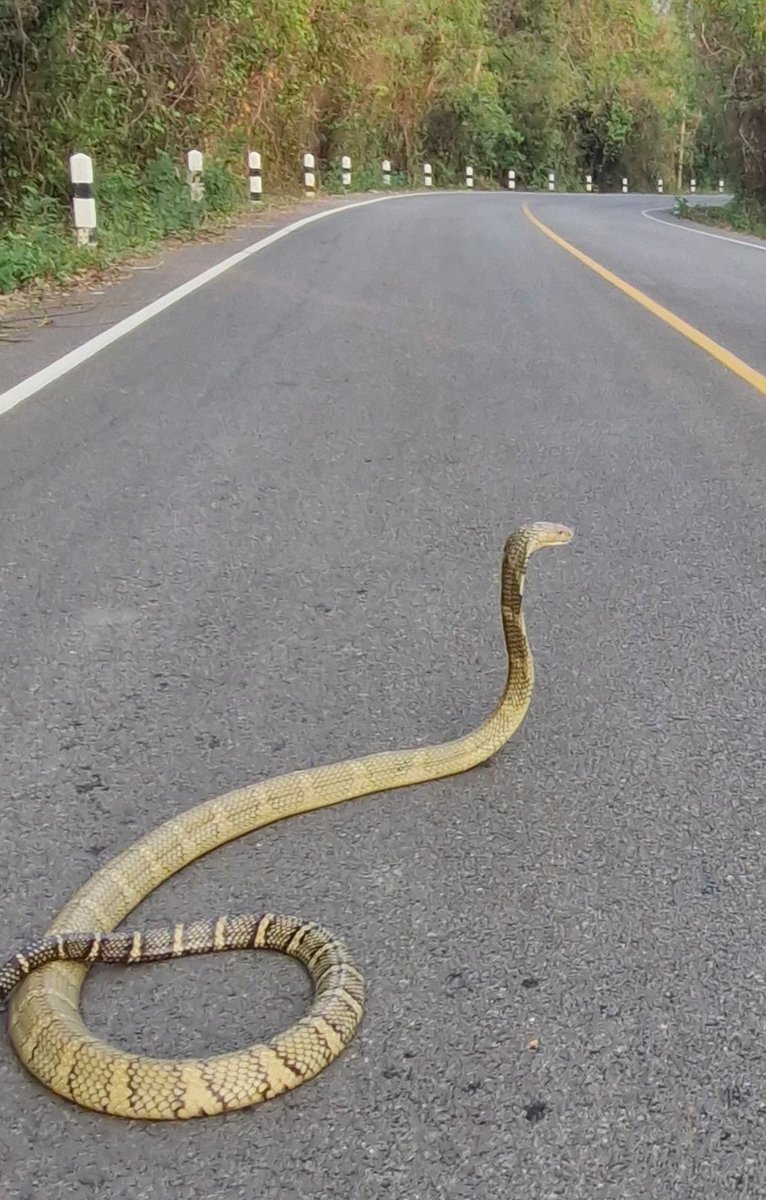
column 45, row 1026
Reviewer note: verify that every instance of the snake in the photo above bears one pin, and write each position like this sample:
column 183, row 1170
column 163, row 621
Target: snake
column 43, row 981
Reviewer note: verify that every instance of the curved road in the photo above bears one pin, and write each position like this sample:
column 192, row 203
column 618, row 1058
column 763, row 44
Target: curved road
column 263, row 531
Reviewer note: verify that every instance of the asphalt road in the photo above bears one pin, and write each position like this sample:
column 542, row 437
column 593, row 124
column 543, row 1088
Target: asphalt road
column 264, row 531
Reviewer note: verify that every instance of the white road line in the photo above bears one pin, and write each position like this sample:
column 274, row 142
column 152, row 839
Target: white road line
column 34, row 383
column 720, row 237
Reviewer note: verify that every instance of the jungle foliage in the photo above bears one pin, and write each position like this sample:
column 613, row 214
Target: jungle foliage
column 615, row 87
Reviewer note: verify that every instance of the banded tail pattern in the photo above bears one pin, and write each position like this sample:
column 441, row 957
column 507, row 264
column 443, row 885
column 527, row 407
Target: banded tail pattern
column 325, row 958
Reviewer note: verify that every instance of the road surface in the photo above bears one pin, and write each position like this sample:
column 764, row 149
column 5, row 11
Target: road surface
column 263, row 531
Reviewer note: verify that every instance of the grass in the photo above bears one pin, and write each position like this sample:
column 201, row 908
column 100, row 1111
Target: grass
column 743, row 214
column 137, row 210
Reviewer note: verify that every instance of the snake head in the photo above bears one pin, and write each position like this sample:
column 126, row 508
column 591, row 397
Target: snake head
column 547, row 533
column 528, row 538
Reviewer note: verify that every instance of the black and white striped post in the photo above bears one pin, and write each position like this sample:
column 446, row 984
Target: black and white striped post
column 589, row 183
column 385, row 167
column 469, row 177
column 624, row 184
column 511, row 181
column 694, row 185
column 254, row 176
column 551, row 181
column 720, row 185
column 428, row 175
column 83, row 201
column 194, row 176
column 345, row 171
column 309, row 178
column 660, row 185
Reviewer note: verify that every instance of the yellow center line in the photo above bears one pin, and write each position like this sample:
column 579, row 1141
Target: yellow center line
column 719, row 353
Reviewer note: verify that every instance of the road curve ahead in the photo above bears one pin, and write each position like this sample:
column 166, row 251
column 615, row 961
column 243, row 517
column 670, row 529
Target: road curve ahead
column 263, row 531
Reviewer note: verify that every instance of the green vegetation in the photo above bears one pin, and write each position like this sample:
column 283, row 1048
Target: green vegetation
column 614, row 87
column 594, row 85
column 743, row 214
column 136, row 208
column 729, row 40
column 730, row 46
